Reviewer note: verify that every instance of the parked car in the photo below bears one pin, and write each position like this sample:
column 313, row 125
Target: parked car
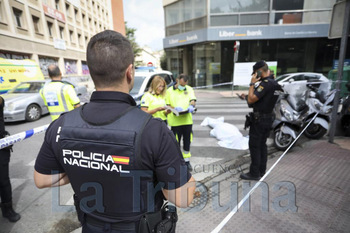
column 23, row 102
column 301, row 78
column 143, row 79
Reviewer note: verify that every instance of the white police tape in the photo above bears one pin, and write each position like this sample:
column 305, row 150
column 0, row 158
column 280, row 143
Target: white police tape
column 10, row 140
column 294, row 83
column 214, row 85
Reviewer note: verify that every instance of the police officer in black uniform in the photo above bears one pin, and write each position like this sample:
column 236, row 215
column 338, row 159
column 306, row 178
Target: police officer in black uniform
column 5, row 183
column 262, row 97
column 121, row 162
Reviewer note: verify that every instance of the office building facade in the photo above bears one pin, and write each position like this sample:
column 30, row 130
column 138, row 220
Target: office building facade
column 201, row 34
column 55, row 31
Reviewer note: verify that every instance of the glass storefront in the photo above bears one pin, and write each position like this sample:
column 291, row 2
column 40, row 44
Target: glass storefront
column 212, row 63
column 206, row 63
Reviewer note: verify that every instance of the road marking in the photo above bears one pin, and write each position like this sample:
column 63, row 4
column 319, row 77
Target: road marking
column 31, row 164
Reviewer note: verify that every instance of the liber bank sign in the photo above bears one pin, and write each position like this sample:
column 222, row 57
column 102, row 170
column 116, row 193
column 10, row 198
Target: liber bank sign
column 247, row 33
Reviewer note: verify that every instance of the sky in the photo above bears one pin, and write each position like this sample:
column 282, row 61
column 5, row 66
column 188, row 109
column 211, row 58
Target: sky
column 147, row 17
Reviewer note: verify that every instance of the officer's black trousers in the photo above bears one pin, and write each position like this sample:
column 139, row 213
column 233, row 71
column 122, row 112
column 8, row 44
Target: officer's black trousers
column 5, row 184
column 184, row 131
column 258, row 134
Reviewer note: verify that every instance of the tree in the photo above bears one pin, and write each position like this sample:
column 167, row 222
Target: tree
column 130, row 34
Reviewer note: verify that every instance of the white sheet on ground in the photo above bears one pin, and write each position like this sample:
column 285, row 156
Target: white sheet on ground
column 227, row 134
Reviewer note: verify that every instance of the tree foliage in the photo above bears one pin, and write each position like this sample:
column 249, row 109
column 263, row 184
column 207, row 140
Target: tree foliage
column 130, row 34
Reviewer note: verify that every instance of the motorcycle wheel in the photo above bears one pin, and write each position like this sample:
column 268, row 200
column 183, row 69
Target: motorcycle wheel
column 315, row 131
column 282, row 141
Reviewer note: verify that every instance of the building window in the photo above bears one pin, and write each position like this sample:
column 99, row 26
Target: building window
column 287, row 5
column 86, row 40
column 79, row 39
column 62, row 33
column 67, row 10
column 71, row 36
column 224, row 6
column 18, row 16
column 49, row 27
column 76, row 15
column 57, row 4
column 182, row 11
column 36, row 24
column 83, row 17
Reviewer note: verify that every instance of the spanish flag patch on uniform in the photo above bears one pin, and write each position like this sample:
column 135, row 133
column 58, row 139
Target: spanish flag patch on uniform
column 121, row 159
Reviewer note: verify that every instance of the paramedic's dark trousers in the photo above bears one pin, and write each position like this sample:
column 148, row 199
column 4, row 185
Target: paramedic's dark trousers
column 184, row 131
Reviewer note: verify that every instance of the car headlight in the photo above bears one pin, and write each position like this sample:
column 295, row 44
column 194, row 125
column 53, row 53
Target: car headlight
column 10, row 107
column 287, row 114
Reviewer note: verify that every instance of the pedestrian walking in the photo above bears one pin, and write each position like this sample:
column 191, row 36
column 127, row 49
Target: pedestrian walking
column 122, row 163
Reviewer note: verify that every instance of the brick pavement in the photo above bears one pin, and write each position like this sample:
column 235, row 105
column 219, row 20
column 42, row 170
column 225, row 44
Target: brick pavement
column 317, row 177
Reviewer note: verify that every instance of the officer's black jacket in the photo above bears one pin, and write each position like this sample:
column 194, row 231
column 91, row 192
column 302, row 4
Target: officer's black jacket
column 266, row 92
column 160, row 154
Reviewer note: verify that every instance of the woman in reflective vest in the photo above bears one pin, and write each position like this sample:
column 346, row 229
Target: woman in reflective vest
column 153, row 101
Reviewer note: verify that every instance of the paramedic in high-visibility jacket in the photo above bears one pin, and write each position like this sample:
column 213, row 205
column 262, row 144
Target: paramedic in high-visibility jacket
column 58, row 96
column 181, row 97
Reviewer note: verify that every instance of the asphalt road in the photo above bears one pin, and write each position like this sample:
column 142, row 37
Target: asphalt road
column 51, row 210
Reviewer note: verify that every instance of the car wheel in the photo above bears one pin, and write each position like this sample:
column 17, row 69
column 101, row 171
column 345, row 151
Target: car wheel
column 33, row 112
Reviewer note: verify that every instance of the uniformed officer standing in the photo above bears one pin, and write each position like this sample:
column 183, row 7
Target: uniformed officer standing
column 262, row 97
column 181, row 97
column 153, row 101
column 58, row 96
column 120, row 161
column 5, row 183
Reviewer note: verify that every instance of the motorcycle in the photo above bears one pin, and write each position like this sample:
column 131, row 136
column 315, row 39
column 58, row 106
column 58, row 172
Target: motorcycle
column 290, row 111
column 319, row 101
column 296, row 107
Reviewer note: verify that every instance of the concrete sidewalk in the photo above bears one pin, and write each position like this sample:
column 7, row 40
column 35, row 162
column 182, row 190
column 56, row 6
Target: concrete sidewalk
column 308, row 191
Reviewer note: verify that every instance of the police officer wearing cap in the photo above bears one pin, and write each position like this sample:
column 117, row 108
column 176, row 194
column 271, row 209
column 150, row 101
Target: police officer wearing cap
column 122, row 163
column 262, row 97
